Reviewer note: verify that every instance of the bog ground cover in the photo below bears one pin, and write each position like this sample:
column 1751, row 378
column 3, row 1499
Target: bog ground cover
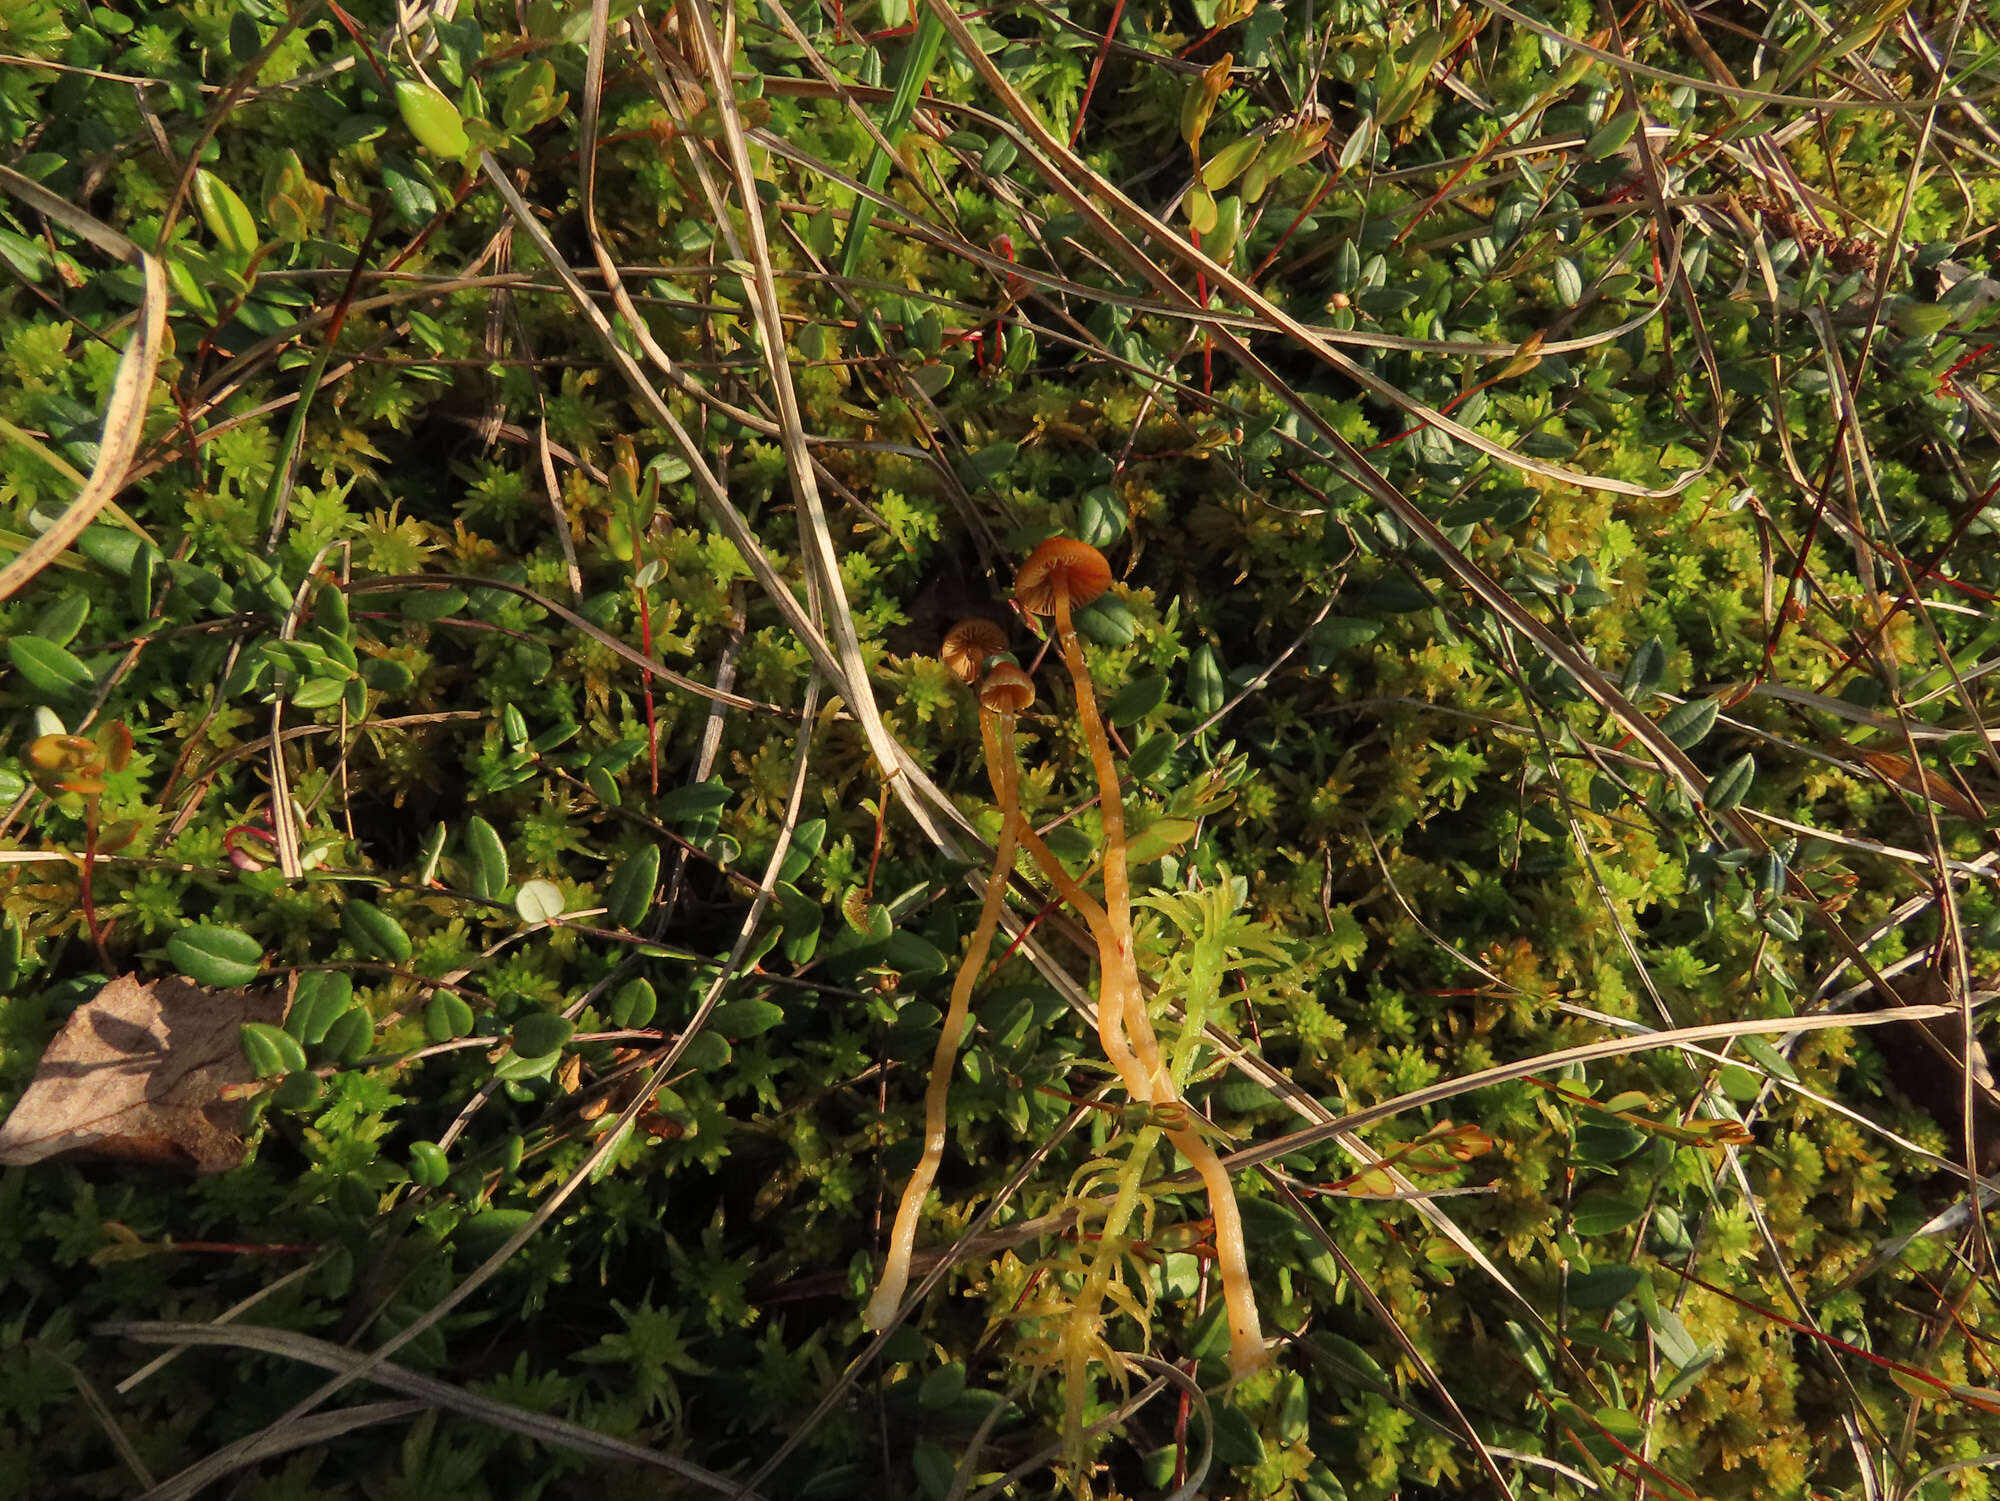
column 529, row 968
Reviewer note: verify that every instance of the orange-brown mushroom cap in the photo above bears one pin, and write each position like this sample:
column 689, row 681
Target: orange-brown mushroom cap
column 1007, row 689
column 968, row 644
column 1076, row 568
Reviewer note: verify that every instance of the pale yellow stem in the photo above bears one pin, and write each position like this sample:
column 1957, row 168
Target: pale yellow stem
column 903, row 1237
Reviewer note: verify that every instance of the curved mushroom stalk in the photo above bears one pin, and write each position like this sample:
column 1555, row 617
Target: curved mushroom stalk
column 1006, row 692
column 1060, row 574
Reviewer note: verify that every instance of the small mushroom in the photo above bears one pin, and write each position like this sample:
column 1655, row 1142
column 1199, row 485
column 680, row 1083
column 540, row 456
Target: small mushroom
column 1061, row 567
column 969, row 644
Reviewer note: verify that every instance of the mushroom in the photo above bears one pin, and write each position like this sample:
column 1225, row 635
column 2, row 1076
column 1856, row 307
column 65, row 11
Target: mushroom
column 1005, row 693
column 968, row 644
column 1058, row 575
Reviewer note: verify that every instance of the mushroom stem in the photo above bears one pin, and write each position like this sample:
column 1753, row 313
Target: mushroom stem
column 997, row 730
column 1123, row 1001
column 1246, row 1335
column 1122, row 1011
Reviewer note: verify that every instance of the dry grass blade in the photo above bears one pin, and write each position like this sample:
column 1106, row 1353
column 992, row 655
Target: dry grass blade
column 926, row 804
column 125, row 412
column 1612, row 1047
column 427, row 1390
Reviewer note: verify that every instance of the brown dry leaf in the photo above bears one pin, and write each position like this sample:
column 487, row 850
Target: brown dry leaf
column 138, row 1073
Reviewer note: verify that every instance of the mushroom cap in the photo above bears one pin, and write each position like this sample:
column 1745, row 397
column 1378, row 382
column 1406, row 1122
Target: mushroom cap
column 1077, row 568
column 1007, row 690
column 968, row 644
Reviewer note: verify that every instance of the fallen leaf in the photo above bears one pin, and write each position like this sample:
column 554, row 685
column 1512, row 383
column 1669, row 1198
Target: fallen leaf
column 139, row 1073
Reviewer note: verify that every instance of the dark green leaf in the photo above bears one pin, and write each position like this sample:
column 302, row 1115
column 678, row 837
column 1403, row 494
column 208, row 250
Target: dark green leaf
column 217, row 956
column 630, row 894
column 321, row 997
column 374, row 932
column 50, row 672
column 1688, row 724
column 489, row 858
column 271, row 1050
column 745, row 1018
column 1604, row 1287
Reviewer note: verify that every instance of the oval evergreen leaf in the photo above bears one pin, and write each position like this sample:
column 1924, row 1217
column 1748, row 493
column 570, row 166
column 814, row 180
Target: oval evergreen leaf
column 1732, row 784
column 1136, row 700
column 375, row 932
column 630, row 895
column 541, row 1034
column 271, row 1050
column 48, row 670
column 1602, row 1212
column 538, row 901
column 489, row 858
column 1688, row 725
column 433, row 119
column 216, row 956
column 745, row 1018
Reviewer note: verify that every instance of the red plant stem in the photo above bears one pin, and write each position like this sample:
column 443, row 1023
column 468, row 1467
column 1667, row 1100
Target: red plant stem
column 1096, row 68
column 1325, row 186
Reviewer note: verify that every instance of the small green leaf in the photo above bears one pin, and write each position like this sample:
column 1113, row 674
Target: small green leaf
column 1688, row 725
column 1643, row 672
column 941, row 1387
column 1136, row 700
column 1230, row 163
column 489, row 858
column 433, row 604
column 447, row 1016
column 48, row 670
column 225, row 214
column 1732, row 784
column 1604, row 1287
column 321, row 997
column 706, row 1052
column 1236, row 1438
column 1602, row 1212
column 630, row 895
column 1569, row 281
column 431, row 853
column 1160, row 837
column 701, row 800
column 1612, row 135
column 746, row 1018
column 1101, row 516
column 428, row 1165
column 1151, row 757
column 1206, row 689
column 216, row 956
column 634, row 1004
column 375, row 932
column 271, row 1050
column 432, row 118
column 1200, row 208
column 539, row 901
column 350, row 1036
column 541, row 1033
column 61, row 621
column 298, row 1092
